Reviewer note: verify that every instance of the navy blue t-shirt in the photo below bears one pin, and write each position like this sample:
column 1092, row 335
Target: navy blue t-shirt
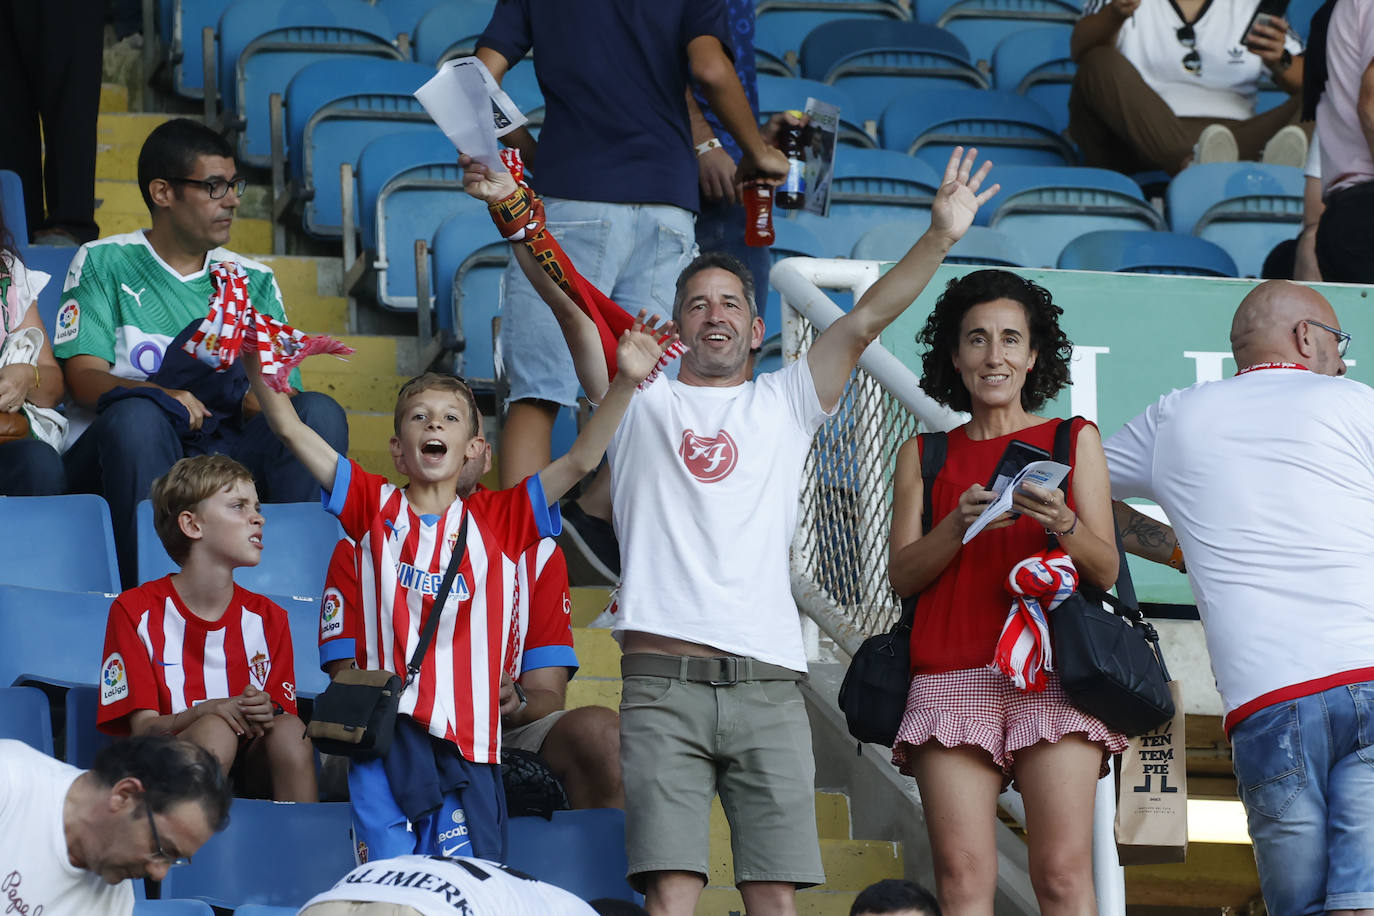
column 614, row 75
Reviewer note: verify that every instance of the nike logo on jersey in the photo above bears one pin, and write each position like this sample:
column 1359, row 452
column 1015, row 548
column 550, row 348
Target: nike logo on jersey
column 138, row 296
column 447, row 851
column 165, row 664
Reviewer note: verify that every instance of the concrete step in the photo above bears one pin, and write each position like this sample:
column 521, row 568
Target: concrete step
column 118, row 139
column 593, row 691
column 850, row 865
column 114, row 98
column 120, row 208
column 597, row 652
column 361, row 393
column 588, row 603
column 373, row 355
column 309, row 307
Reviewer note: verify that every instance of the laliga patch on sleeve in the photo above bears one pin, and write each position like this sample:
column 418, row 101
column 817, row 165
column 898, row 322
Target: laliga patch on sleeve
column 114, row 680
column 68, row 322
column 331, row 614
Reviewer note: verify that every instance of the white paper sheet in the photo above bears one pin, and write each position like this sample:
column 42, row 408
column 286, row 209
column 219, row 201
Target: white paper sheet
column 1047, row 474
column 458, row 100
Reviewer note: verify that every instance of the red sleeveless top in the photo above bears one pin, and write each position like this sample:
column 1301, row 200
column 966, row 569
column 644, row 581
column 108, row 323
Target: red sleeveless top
column 960, row 615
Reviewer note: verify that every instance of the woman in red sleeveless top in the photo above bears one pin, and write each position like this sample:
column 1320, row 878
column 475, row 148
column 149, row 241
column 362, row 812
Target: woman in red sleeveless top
column 995, row 350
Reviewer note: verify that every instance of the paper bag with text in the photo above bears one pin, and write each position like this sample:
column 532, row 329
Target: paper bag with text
column 1152, row 797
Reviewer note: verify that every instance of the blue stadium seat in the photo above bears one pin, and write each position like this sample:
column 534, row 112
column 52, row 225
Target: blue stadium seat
column 1300, row 14
column 188, row 20
column 263, row 43
column 65, row 649
column 304, row 616
column 12, row 202
column 780, row 31
column 1044, row 208
column 1245, row 207
column 82, row 739
column 876, row 60
column 470, row 258
column 449, row 30
column 254, row 909
column 172, row 908
column 580, row 851
column 298, row 540
column 53, row 260
column 307, row 846
column 980, row 245
column 333, row 108
column 62, row 542
column 982, row 24
column 1126, row 251
column 1036, row 63
column 777, row 94
column 881, row 184
column 24, row 716
column 792, row 238
column 841, row 229
column 408, row 184
column 164, row 15
column 404, row 15
column 1007, row 128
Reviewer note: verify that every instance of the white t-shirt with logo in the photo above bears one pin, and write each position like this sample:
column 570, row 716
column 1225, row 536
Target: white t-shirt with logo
column 1268, row 480
column 35, row 873
column 705, row 484
column 1346, row 157
column 1227, row 83
column 448, row 887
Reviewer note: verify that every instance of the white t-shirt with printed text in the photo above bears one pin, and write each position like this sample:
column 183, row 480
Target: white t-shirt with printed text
column 1227, row 84
column 1268, row 480
column 705, row 485
column 35, row 874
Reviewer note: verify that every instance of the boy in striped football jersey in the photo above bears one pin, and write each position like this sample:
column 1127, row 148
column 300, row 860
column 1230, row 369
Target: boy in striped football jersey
column 192, row 654
column 439, row 789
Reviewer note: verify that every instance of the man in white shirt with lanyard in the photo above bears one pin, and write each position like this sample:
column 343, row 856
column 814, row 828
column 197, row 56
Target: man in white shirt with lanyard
column 1268, row 480
column 1155, row 76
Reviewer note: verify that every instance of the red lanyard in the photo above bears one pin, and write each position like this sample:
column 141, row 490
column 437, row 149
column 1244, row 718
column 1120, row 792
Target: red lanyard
column 1258, row 366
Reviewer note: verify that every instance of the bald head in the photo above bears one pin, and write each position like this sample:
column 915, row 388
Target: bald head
column 1268, row 327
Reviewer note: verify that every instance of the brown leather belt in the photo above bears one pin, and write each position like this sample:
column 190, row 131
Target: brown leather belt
column 718, row 671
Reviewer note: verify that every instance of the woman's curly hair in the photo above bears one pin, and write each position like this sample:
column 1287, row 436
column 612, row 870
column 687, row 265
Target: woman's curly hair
column 940, row 336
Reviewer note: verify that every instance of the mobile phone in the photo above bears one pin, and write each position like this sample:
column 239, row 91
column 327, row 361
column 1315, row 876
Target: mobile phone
column 1266, row 11
column 1017, row 455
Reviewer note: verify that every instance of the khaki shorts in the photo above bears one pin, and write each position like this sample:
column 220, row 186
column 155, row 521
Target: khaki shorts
column 530, row 736
column 683, row 742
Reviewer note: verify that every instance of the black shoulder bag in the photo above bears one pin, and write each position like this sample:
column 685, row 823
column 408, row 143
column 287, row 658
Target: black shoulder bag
column 1106, row 653
column 874, row 691
column 356, row 715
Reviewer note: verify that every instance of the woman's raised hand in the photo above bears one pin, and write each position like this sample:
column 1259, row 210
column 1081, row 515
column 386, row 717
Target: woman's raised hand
column 959, row 197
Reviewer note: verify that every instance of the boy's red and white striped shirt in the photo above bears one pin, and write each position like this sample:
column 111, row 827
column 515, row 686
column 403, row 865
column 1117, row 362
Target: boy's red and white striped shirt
column 400, row 560
column 161, row 656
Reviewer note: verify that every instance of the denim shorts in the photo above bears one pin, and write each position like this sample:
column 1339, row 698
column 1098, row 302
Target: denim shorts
column 1305, row 769
column 631, row 252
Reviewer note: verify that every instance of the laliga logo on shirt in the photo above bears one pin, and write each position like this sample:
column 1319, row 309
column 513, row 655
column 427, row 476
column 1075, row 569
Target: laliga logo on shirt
column 709, row 460
column 68, row 322
column 331, row 613
column 114, row 680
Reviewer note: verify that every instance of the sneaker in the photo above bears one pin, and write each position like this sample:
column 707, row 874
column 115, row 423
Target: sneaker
column 1287, row 147
column 590, row 547
column 1216, row 143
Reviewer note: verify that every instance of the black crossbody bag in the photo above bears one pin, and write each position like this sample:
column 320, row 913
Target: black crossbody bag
column 874, row 691
column 1106, row 653
column 356, row 715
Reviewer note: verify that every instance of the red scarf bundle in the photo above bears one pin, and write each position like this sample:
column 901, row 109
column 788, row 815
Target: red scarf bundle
column 233, row 324
column 520, row 218
column 1039, row 584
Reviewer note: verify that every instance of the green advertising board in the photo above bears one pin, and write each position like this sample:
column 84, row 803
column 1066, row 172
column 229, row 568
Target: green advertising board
column 1137, row 337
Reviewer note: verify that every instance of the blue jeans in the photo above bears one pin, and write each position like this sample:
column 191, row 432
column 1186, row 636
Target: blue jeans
column 1306, row 774
column 133, row 442
column 29, row 467
column 631, row 252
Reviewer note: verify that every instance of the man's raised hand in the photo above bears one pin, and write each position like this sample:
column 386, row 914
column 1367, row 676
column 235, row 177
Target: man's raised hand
column 959, row 197
column 484, row 184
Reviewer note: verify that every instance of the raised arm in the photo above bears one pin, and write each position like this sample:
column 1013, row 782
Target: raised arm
column 308, row 446
column 719, row 82
column 837, row 350
column 636, row 356
column 1101, row 27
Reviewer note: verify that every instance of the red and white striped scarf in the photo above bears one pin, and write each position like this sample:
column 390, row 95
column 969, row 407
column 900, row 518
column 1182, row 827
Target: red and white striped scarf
column 520, row 218
column 233, row 323
column 1039, row 584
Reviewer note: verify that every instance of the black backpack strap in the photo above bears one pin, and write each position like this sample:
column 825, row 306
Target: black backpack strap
column 934, row 446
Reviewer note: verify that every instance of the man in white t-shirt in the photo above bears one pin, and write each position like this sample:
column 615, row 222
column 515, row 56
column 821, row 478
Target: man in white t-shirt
column 1154, row 74
column 1268, row 480
column 434, row 886
column 705, row 475
column 72, row 838
column 1345, row 124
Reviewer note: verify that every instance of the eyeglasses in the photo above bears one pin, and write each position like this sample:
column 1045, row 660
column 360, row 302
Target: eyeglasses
column 1342, row 338
column 1192, row 61
column 161, row 855
column 216, row 187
